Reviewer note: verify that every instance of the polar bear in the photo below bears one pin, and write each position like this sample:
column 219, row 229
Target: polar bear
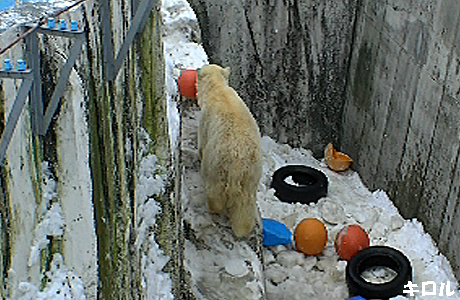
column 230, row 149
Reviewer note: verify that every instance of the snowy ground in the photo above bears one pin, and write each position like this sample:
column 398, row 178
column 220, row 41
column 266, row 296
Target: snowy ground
column 30, row 11
column 289, row 274
column 221, row 266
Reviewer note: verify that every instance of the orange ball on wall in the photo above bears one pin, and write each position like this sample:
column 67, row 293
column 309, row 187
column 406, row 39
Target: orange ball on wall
column 310, row 236
column 187, row 83
column 350, row 240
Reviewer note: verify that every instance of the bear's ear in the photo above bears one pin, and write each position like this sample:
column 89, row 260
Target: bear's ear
column 226, row 72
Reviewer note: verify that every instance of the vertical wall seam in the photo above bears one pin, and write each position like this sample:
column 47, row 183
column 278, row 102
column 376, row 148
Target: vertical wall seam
column 251, row 35
column 413, row 99
column 430, row 151
column 447, row 216
column 358, row 13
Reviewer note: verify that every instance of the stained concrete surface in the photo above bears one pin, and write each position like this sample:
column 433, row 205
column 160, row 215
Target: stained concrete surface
column 381, row 79
column 289, row 60
column 406, row 139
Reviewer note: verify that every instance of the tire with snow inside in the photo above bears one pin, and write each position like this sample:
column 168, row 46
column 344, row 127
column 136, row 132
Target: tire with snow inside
column 381, row 256
column 311, row 184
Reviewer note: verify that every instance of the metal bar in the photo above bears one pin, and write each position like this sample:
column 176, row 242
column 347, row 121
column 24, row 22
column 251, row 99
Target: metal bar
column 16, row 74
column 143, row 11
column 113, row 64
column 63, row 33
column 36, row 98
column 36, row 26
column 135, row 5
column 18, row 39
column 59, row 90
column 71, row 7
column 13, row 117
column 107, row 38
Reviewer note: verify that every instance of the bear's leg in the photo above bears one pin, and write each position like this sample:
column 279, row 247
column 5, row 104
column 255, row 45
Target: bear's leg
column 242, row 212
column 215, row 196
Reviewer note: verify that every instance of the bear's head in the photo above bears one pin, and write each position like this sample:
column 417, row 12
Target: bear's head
column 215, row 72
column 210, row 77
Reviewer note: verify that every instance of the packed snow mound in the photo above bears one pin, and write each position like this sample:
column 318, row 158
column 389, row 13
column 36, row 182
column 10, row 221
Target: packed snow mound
column 290, row 274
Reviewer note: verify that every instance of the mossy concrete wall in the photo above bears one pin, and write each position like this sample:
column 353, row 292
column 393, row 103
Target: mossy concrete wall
column 93, row 151
column 402, row 116
column 42, row 172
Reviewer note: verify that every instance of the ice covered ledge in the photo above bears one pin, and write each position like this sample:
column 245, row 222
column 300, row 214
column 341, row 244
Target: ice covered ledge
column 216, row 264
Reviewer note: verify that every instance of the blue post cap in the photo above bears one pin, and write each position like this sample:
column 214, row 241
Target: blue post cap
column 63, row 25
column 7, row 66
column 51, row 23
column 73, row 25
column 275, row 233
column 21, row 65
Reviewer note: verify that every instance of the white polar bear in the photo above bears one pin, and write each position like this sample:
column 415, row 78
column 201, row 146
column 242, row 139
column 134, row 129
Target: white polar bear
column 230, row 148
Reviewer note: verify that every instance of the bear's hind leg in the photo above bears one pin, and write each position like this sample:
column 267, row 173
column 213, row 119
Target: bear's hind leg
column 242, row 215
column 216, row 197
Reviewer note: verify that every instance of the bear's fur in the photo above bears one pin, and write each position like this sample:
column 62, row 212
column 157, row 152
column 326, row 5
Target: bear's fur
column 230, row 149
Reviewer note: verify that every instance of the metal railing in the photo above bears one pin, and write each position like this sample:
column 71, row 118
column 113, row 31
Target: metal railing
column 31, row 85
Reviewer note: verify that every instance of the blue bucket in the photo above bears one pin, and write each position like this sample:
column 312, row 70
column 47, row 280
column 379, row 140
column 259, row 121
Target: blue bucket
column 275, row 233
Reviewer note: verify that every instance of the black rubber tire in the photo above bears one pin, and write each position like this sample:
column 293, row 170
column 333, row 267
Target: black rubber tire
column 378, row 256
column 312, row 184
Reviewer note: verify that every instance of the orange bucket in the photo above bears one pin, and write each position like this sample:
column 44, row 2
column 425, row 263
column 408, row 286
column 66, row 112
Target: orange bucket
column 187, row 83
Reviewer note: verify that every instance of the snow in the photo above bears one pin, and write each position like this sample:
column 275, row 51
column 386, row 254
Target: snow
column 181, row 52
column 348, row 202
column 150, row 182
column 61, row 283
column 51, row 226
column 290, row 274
column 30, row 11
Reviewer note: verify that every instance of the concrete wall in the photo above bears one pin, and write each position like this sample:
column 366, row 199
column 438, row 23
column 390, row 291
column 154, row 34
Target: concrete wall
column 289, row 62
column 94, row 147
column 401, row 120
column 30, row 186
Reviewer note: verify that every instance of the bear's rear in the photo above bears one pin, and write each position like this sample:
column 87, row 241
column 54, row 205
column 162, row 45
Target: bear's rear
column 229, row 139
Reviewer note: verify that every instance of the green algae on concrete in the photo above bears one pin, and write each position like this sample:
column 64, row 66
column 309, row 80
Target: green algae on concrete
column 154, row 116
column 5, row 255
column 154, row 120
column 116, row 112
column 115, row 123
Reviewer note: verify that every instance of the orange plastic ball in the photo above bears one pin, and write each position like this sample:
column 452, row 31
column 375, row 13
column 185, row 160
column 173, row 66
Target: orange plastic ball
column 187, row 83
column 350, row 240
column 310, row 236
